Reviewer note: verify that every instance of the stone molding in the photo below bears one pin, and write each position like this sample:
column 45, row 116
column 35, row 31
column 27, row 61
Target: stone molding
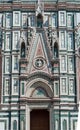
column 31, row 7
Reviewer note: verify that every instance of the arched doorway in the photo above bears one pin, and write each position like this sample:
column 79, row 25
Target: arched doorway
column 39, row 95
column 39, row 120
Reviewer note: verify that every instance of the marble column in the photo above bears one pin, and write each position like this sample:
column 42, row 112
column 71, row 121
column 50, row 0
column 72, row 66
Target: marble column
column 50, row 119
column 27, row 118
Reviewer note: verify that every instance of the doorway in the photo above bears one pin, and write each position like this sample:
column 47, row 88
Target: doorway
column 39, row 120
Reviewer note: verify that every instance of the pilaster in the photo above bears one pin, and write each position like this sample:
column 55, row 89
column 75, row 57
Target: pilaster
column 27, row 118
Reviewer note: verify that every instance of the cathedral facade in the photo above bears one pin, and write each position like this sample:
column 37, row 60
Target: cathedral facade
column 39, row 64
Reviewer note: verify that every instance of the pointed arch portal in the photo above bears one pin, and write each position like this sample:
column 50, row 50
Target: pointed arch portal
column 38, row 108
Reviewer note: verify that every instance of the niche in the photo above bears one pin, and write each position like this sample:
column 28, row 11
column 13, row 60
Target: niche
column 39, row 20
column 55, row 50
column 23, row 50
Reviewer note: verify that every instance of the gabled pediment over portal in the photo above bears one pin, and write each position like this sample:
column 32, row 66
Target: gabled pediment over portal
column 39, row 59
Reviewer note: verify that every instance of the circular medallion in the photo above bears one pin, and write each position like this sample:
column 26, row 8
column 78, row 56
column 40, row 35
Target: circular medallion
column 39, row 62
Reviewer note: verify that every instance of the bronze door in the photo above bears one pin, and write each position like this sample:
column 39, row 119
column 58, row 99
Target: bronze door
column 39, row 120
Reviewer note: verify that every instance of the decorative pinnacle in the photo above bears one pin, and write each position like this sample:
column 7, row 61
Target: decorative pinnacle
column 39, row 1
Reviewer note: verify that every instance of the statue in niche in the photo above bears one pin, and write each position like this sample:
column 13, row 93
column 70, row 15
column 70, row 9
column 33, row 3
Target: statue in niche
column 23, row 50
column 55, row 50
column 39, row 20
column 39, row 13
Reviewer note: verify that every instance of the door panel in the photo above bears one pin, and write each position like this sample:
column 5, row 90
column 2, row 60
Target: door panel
column 39, row 120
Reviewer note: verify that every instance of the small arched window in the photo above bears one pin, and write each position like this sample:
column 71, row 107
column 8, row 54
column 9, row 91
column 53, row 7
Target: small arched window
column 14, row 125
column 64, row 124
column 23, row 49
column 55, row 50
column 39, row 20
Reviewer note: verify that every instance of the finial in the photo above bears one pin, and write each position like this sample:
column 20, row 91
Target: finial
column 39, row 1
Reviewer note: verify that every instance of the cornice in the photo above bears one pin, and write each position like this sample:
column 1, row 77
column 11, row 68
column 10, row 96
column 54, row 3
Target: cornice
column 62, row 6
column 47, row 6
